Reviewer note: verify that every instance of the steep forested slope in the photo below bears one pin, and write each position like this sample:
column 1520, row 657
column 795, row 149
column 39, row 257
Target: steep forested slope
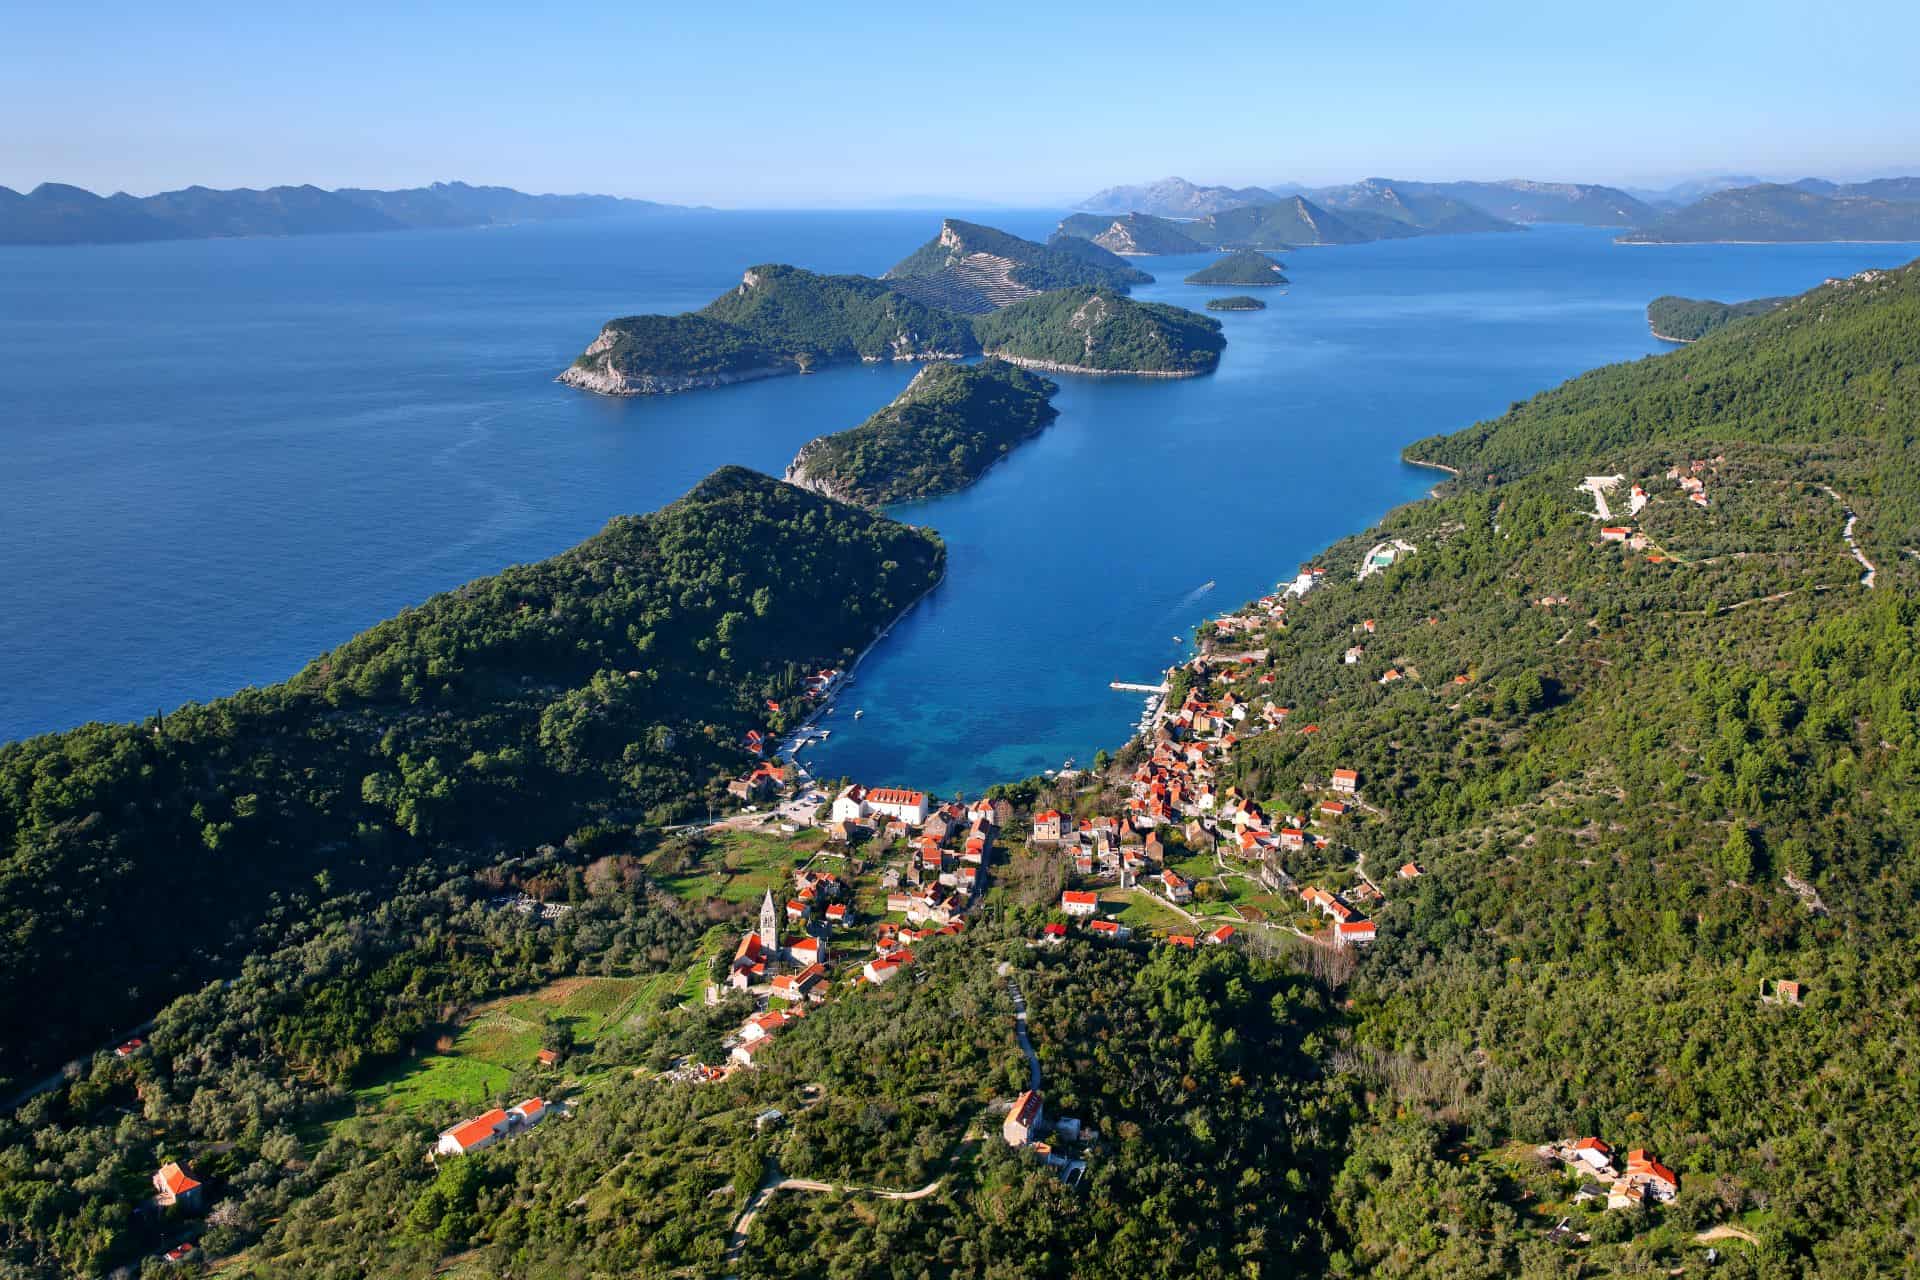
column 613, row 681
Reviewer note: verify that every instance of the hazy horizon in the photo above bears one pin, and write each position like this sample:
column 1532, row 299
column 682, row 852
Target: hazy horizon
column 876, row 109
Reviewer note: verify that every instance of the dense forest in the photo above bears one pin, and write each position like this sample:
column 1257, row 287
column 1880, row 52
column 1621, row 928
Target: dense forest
column 1680, row 319
column 1098, row 331
column 1236, row 302
column 611, row 683
column 1239, row 270
column 951, row 423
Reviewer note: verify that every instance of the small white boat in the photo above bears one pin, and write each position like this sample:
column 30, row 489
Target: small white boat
column 825, row 734
column 860, row 712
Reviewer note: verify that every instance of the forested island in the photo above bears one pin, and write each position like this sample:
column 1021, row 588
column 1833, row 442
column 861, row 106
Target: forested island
column 1133, row 233
column 782, row 319
column 1092, row 330
column 938, row 436
column 1240, row 269
column 1677, row 319
column 1237, row 302
column 778, row 320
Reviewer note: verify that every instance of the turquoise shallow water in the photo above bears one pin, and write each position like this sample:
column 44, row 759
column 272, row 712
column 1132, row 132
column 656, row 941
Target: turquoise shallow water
column 219, row 458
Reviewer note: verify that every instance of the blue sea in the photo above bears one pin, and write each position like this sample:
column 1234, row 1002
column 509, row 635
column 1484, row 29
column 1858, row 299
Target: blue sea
column 219, row 458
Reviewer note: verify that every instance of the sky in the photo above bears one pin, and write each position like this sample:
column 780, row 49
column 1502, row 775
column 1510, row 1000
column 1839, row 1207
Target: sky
column 828, row 104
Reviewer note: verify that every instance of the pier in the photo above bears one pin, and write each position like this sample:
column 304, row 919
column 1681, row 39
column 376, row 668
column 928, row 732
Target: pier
column 1127, row 686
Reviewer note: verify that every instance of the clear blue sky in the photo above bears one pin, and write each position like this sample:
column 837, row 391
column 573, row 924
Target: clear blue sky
column 744, row 103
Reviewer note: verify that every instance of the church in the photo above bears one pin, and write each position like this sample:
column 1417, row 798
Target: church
column 759, row 955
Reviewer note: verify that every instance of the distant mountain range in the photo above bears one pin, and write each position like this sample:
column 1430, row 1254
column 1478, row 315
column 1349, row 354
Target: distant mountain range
column 1175, row 198
column 54, row 213
column 1437, row 208
column 1887, row 209
column 1365, row 211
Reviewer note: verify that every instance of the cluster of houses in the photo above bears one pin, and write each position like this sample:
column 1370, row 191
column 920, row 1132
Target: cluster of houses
column 814, row 689
column 942, row 879
column 1688, row 477
column 489, row 1127
column 1644, row 1180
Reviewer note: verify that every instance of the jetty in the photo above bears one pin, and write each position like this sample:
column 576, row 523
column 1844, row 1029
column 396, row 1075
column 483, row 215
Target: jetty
column 1128, row 686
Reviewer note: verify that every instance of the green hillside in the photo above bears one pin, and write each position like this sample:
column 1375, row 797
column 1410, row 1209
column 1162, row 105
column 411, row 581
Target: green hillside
column 1835, row 363
column 950, row 424
column 1099, row 331
column 612, row 682
column 974, row 269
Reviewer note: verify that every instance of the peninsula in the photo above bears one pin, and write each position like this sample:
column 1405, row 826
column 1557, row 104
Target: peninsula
column 1095, row 330
column 1677, row 319
column 1240, row 269
column 938, row 436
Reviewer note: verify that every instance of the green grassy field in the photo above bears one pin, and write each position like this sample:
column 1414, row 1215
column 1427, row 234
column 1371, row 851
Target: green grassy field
column 1138, row 911
column 739, row 866
column 503, row 1036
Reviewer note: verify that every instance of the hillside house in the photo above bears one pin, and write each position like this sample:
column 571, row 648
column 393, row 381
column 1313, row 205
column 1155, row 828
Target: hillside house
column 1079, row 902
column 174, row 1187
column 1349, row 933
column 1111, row 929
column 1594, row 1154
column 1023, row 1119
column 1346, row 781
column 490, row 1127
column 1049, row 827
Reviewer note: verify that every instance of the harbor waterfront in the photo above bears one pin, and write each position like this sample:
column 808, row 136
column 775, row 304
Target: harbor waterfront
column 278, row 442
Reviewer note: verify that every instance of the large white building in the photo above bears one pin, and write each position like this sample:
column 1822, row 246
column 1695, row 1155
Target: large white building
column 861, row 804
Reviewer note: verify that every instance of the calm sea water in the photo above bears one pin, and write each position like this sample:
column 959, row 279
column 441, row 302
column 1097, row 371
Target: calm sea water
column 220, row 458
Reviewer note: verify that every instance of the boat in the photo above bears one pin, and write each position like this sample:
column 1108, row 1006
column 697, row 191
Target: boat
column 1208, row 585
column 1179, row 639
column 825, row 734
column 860, row 712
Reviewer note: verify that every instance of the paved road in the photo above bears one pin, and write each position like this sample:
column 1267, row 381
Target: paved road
column 1020, row 1032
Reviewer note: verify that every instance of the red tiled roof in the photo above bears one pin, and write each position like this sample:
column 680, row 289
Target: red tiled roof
column 176, row 1180
column 478, row 1129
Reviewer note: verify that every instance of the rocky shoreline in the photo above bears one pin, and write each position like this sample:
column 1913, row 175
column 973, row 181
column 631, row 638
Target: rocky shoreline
column 612, row 382
column 1054, row 366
